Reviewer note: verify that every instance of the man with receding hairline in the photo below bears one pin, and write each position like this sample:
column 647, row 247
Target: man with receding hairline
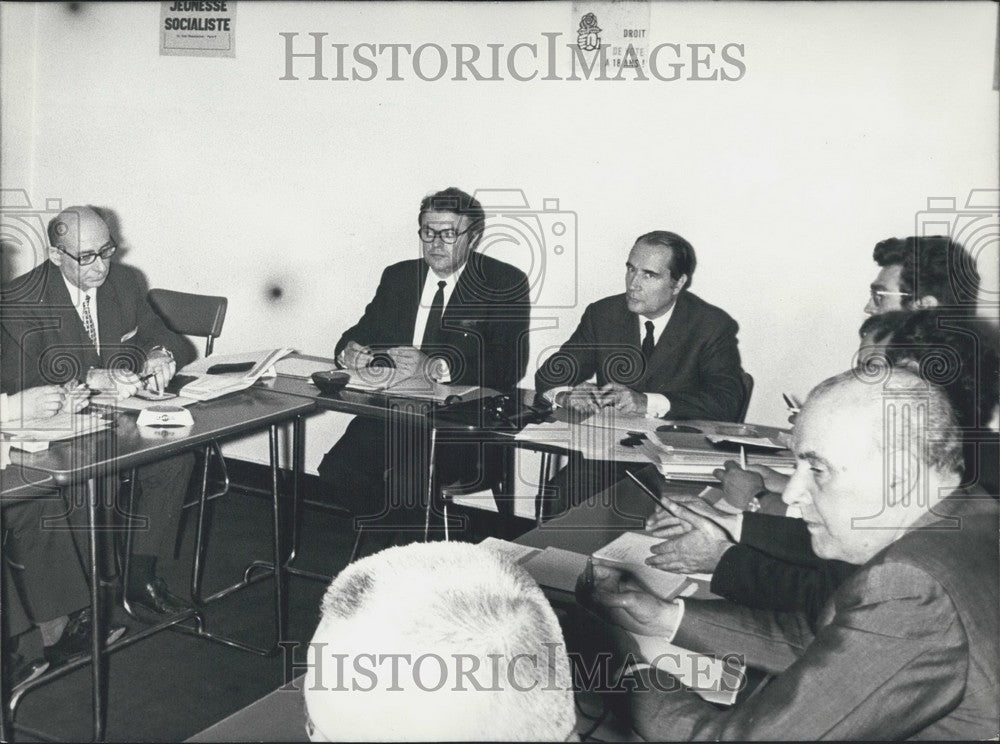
column 907, row 647
column 81, row 317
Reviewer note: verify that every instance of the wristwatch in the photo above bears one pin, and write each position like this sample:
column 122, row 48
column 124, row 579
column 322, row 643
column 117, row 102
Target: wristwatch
column 165, row 350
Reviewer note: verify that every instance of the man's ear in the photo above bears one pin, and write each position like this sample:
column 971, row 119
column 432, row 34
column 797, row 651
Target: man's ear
column 926, row 302
column 682, row 282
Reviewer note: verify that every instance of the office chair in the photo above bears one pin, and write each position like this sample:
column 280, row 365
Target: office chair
column 201, row 316
column 747, row 379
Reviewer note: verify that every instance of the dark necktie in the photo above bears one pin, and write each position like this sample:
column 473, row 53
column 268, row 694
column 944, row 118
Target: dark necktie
column 88, row 320
column 434, row 317
column 647, row 342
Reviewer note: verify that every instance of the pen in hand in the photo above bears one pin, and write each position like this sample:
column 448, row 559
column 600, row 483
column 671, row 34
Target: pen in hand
column 792, row 405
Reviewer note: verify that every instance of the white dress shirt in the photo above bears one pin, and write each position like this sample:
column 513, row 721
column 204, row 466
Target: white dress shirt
column 657, row 405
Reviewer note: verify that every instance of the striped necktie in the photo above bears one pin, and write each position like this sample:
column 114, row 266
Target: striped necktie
column 88, row 320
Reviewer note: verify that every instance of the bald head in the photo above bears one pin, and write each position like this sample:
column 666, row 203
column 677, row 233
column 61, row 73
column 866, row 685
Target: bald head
column 872, row 456
column 81, row 246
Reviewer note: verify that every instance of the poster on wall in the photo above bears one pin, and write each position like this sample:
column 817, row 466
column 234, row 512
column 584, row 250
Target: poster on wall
column 617, row 29
column 198, row 29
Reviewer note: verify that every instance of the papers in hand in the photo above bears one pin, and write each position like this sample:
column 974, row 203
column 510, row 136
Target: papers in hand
column 207, row 386
column 34, row 435
column 715, row 680
column 628, row 554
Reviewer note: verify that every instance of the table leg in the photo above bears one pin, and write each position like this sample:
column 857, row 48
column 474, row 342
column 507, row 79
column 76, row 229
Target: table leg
column 97, row 619
column 278, row 558
column 430, row 482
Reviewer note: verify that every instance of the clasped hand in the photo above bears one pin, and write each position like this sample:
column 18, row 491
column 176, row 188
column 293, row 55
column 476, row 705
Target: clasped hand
column 48, row 400
column 589, row 398
column 409, row 361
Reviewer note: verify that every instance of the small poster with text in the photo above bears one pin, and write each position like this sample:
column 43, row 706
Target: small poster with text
column 198, row 29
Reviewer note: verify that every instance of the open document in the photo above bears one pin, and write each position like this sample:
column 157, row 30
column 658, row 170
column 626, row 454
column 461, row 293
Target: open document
column 211, row 382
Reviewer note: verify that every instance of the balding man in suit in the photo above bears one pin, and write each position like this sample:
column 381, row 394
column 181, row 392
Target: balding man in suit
column 907, row 647
column 78, row 316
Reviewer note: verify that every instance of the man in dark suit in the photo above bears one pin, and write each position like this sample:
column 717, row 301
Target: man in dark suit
column 452, row 316
column 78, row 316
column 908, row 645
column 657, row 350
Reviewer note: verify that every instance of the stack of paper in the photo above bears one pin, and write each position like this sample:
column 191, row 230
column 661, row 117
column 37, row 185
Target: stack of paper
column 697, row 465
column 208, row 387
column 34, row 435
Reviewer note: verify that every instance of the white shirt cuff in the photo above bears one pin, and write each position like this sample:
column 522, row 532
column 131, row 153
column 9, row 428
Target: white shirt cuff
column 550, row 395
column 680, row 616
column 657, row 405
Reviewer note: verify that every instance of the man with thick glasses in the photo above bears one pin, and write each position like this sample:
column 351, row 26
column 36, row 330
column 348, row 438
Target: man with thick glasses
column 917, row 273
column 80, row 317
column 450, row 316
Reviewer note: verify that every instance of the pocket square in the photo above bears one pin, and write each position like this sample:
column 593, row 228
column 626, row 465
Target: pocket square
column 130, row 334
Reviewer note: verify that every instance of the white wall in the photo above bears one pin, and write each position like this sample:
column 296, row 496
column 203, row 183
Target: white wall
column 228, row 180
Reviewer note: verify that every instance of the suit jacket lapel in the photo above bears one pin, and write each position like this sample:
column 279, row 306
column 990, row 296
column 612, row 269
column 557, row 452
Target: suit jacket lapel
column 71, row 333
column 671, row 341
column 409, row 300
column 110, row 323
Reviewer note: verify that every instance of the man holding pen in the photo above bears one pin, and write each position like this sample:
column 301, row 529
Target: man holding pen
column 80, row 317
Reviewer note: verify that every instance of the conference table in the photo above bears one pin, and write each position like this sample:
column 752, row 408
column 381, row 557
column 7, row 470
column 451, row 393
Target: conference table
column 275, row 402
column 280, row 715
column 93, row 457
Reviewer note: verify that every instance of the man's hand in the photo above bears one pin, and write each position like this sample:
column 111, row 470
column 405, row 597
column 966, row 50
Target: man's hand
column 75, row 397
column 584, row 398
column 774, row 481
column 161, row 366
column 606, row 593
column 672, row 520
column 623, row 399
column 354, row 356
column 412, row 362
column 36, row 402
column 121, row 382
column 697, row 550
column 738, row 485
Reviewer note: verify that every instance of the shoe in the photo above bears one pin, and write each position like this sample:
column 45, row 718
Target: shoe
column 156, row 597
column 23, row 671
column 75, row 640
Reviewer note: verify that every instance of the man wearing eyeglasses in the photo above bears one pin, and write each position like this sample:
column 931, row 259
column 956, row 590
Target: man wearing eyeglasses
column 451, row 316
column 917, row 273
column 78, row 316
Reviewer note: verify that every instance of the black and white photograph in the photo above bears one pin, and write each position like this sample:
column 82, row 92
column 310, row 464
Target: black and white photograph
column 488, row 371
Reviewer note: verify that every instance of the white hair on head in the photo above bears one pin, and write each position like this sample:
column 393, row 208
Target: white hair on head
column 448, row 600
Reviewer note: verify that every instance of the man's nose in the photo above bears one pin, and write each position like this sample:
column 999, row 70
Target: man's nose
column 870, row 308
column 795, row 490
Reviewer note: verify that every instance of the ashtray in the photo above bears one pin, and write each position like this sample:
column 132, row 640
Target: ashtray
column 331, row 381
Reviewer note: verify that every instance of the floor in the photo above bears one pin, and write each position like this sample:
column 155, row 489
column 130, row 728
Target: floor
column 170, row 686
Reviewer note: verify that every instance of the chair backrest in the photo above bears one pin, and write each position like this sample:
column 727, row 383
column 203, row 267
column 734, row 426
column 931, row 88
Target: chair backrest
column 747, row 392
column 191, row 314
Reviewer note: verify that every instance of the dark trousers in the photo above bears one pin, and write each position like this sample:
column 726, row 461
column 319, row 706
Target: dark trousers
column 378, row 471
column 155, row 513
column 43, row 575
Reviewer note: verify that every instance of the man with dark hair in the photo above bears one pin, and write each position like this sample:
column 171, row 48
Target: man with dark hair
column 907, row 647
column 922, row 272
column 451, row 316
column 657, row 350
